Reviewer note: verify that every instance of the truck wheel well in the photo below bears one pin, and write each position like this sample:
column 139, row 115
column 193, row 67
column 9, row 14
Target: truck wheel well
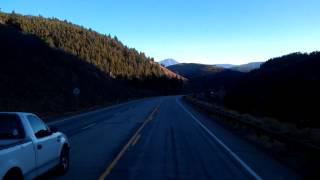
column 14, row 172
column 65, row 147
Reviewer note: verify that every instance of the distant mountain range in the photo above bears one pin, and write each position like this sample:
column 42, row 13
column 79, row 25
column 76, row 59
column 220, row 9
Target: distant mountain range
column 168, row 62
column 205, row 76
column 243, row 67
column 193, row 70
column 247, row 67
column 202, row 76
column 227, row 66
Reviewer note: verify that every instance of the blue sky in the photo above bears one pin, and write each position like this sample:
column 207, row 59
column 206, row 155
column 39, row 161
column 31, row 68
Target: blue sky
column 203, row 31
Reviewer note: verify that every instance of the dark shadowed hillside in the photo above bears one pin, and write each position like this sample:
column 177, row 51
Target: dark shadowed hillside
column 223, row 80
column 207, row 77
column 286, row 88
column 106, row 53
column 34, row 77
column 193, row 70
column 37, row 76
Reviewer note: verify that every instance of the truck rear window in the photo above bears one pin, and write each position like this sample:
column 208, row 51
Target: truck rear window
column 10, row 127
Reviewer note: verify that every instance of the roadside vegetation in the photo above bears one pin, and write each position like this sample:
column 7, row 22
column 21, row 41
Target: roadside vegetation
column 298, row 147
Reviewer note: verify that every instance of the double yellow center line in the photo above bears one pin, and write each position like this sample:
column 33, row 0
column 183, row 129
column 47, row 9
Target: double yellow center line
column 133, row 140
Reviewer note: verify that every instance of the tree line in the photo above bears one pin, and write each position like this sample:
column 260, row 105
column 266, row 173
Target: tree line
column 43, row 60
column 103, row 51
column 286, row 88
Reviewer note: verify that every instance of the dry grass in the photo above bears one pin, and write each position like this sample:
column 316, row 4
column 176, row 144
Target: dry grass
column 300, row 159
column 272, row 124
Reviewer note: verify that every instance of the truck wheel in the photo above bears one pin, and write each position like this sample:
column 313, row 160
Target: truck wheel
column 13, row 175
column 63, row 165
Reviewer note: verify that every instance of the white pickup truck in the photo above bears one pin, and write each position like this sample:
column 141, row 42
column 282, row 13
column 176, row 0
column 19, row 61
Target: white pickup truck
column 28, row 147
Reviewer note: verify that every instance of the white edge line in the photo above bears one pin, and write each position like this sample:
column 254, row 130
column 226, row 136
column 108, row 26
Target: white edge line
column 89, row 126
column 236, row 157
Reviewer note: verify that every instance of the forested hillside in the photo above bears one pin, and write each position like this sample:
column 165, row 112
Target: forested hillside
column 103, row 51
column 36, row 78
column 286, row 88
column 43, row 60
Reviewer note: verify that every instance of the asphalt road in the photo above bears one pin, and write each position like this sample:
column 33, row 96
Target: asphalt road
column 161, row 138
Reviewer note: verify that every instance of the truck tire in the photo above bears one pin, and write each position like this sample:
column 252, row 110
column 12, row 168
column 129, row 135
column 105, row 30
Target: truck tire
column 63, row 165
column 13, row 174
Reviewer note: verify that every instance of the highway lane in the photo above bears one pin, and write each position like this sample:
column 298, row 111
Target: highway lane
column 175, row 146
column 97, row 136
column 161, row 138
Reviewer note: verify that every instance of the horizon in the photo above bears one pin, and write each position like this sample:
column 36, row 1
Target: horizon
column 230, row 32
column 182, row 62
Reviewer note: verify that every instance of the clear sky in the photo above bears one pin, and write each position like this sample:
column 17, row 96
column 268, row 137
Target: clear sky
column 203, row 31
